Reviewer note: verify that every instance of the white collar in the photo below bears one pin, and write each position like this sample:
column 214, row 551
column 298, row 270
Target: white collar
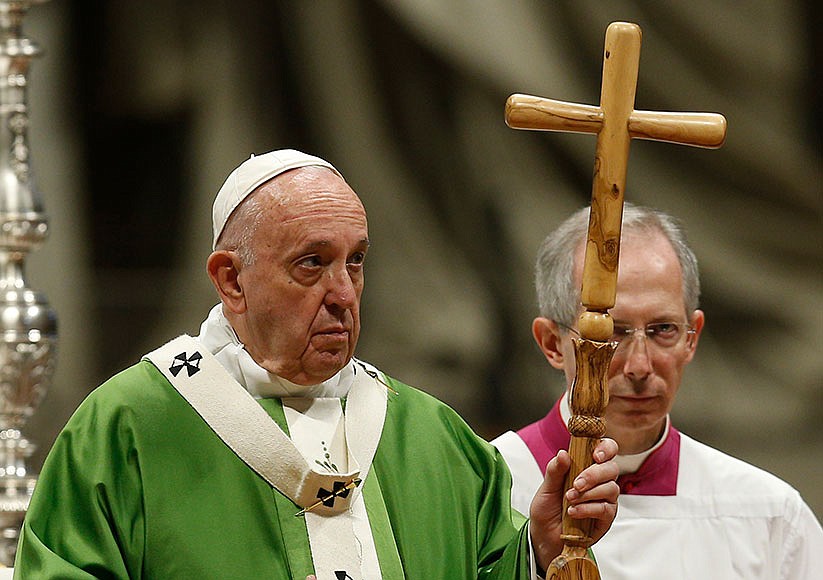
column 218, row 336
column 626, row 463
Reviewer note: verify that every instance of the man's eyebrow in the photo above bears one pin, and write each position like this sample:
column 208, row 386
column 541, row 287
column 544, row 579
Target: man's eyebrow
column 319, row 244
column 313, row 246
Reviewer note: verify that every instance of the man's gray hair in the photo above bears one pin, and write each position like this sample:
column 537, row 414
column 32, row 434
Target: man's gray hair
column 241, row 227
column 558, row 296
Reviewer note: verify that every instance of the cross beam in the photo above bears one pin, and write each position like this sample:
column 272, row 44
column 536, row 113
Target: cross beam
column 616, row 123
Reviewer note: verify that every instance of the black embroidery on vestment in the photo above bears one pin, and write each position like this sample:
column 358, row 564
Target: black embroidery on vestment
column 190, row 363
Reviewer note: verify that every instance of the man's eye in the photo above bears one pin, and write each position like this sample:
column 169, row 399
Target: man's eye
column 310, row 262
column 662, row 329
column 357, row 258
column 620, row 332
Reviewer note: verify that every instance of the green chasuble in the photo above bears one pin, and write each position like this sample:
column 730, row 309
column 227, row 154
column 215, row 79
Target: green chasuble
column 137, row 485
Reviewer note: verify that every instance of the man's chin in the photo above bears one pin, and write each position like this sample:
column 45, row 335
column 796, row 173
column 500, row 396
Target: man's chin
column 634, row 421
column 326, row 364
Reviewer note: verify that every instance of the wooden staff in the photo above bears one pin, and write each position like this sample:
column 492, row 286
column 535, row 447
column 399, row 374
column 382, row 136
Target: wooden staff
column 615, row 122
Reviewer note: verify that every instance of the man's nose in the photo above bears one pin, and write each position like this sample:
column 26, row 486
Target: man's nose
column 637, row 360
column 340, row 288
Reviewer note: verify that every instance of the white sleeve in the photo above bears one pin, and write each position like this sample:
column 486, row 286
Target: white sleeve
column 526, row 475
column 803, row 559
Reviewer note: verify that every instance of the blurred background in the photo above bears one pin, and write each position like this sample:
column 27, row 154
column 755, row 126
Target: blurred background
column 141, row 109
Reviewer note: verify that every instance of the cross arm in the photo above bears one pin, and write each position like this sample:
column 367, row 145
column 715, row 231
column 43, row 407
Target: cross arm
column 706, row 130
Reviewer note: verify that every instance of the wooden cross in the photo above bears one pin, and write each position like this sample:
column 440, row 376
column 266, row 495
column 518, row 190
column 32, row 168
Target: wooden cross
column 616, row 123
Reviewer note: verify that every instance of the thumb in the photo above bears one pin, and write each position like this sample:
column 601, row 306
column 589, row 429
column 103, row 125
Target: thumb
column 556, row 470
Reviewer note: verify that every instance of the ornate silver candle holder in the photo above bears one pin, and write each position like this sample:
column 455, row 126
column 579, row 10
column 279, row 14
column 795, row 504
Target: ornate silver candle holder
column 27, row 323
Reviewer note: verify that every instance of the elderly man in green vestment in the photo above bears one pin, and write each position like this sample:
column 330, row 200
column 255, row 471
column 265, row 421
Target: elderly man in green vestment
column 263, row 449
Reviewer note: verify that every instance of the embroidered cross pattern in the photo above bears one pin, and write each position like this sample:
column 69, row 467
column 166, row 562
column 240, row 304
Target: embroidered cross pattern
column 327, row 497
column 190, row 363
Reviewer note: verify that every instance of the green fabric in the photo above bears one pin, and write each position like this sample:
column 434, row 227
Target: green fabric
column 390, row 563
column 138, row 486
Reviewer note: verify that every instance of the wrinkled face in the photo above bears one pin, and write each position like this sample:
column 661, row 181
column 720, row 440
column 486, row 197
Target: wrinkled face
column 303, row 289
column 643, row 378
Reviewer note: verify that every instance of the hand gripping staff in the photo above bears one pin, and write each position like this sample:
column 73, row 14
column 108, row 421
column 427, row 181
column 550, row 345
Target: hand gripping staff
column 616, row 123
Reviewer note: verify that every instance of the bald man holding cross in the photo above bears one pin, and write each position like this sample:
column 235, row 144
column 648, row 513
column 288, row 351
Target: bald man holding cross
column 623, row 334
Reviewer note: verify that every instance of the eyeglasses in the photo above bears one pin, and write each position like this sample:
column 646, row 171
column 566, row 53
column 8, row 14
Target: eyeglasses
column 664, row 335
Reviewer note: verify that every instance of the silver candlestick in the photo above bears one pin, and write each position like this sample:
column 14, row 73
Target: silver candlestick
column 27, row 323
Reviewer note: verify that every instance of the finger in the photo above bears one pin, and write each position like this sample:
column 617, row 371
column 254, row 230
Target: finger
column 596, row 510
column 608, row 491
column 594, row 475
column 556, row 472
column 605, row 450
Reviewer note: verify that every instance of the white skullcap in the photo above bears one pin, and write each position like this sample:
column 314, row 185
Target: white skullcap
column 252, row 173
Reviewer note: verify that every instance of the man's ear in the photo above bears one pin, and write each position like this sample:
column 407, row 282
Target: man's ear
column 697, row 321
column 224, row 267
column 547, row 335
